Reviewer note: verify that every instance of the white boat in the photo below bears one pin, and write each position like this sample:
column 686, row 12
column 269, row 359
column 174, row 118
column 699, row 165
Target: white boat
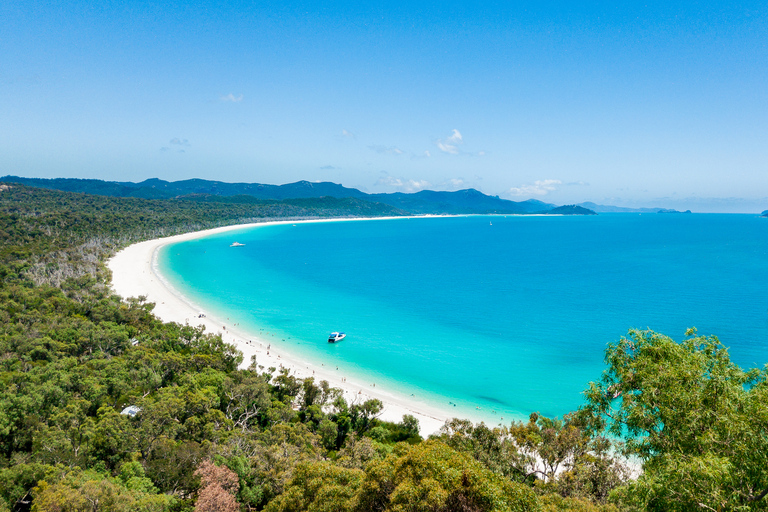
column 336, row 336
column 237, row 244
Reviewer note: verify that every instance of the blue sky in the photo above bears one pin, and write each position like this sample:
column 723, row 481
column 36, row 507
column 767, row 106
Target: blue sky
column 617, row 103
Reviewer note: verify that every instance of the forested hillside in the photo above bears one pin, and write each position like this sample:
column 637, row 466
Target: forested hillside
column 468, row 201
column 104, row 407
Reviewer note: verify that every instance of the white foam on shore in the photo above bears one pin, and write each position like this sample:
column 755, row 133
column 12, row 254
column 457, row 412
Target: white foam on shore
column 135, row 273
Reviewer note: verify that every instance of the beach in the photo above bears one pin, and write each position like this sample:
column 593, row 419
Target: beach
column 134, row 274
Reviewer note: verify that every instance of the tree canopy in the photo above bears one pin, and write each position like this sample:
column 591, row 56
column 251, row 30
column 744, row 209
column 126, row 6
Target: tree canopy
column 697, row 422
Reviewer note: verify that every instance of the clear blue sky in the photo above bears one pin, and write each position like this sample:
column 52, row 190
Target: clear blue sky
column 619, row 103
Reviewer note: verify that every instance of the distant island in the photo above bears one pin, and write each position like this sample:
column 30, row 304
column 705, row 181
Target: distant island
column 669, row 210
column 602, row 208
column 764, row 214
column 570, row 209
column 425, row 202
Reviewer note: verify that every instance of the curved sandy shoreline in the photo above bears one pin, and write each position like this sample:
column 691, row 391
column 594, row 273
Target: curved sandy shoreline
column 134, row 274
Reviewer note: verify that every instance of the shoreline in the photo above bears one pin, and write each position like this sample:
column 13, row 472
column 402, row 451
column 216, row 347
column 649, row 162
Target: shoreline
column 135, row 273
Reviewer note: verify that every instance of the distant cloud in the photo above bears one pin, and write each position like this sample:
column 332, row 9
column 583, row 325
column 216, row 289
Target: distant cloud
column 345, row 133
column 179, row 143
column 328, row 168
column 451, row 144
column 416, row 185
column 404, row 185
column 456, row 184
column 577, row 184
column 538, row 188
column 231, row 97
column 390, row 181
column 384, row 150
column 421, row 156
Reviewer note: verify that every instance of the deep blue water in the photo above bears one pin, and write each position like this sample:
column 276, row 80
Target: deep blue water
column 511, row 317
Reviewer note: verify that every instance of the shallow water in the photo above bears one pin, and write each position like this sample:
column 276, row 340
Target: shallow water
column 508, row 314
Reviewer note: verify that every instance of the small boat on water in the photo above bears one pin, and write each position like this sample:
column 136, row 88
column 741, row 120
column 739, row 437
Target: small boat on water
column 237, row 244
column 336, row 336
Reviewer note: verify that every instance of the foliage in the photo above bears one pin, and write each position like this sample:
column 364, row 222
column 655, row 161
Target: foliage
column 557, row 456
column 552, row 502
column 432, row 476
column 493, row 447
column 319, row 487
column 75, row 490
column 697, row 421
column 429, row 476
column 218, row 486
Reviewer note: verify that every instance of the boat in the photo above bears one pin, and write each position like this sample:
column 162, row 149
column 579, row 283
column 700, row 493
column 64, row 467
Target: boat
column 237, row 244
column 336, row 336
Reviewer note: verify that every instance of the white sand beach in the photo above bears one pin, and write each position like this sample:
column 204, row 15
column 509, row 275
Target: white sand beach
column 134, row 274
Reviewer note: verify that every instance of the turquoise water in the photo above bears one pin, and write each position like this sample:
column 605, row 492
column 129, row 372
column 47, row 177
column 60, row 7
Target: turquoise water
column 509, row 314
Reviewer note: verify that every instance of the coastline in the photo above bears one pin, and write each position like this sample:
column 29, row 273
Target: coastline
column 134, row 273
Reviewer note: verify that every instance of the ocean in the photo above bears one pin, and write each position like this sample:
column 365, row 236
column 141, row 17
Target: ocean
column 492, row 316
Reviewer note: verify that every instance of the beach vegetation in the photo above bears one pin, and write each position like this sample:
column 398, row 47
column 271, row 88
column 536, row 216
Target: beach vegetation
column 553, row 456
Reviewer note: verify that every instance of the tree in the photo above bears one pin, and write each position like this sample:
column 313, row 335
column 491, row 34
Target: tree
column 557, row 456
column 218, row 486
column 17, row 482
column 697, row 421
column 319, row 487
column 429, row 476
column 432, row 476
column 364, row 415
column 75, row 490
column 494, row 448
column 410, row 425
column 112, row 441
column 246, row 396
column 556, row 443
column 359, row 451
column 278, row 451
column 68, row 441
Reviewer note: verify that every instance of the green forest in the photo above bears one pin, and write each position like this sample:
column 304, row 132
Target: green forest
column 103, row 407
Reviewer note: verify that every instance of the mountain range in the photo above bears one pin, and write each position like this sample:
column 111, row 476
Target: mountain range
column 469, row 201
column 601, row 208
